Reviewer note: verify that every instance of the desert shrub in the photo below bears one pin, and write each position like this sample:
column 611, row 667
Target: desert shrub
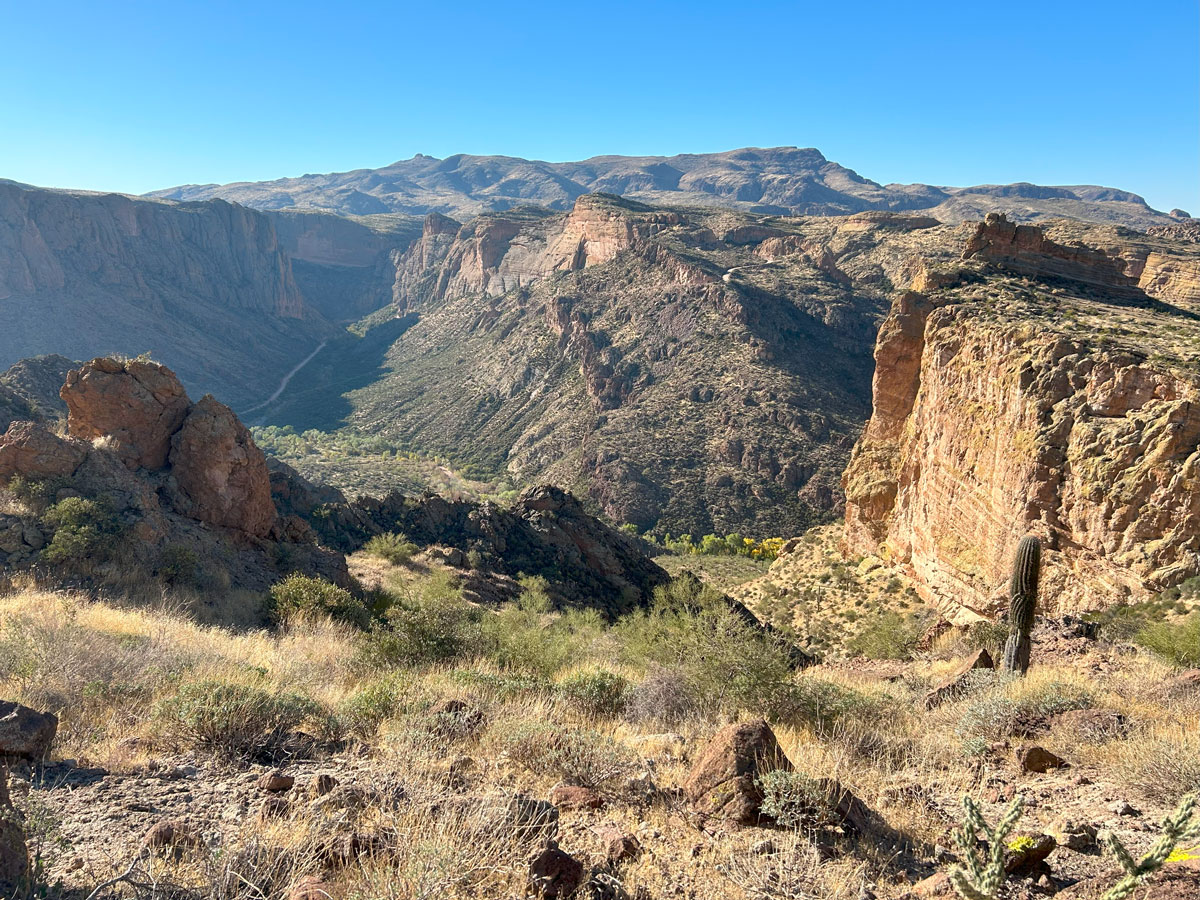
column 376, row 701
column 794, row 800
column 1177, row 642
column 1163, row 766
column 394, row 547
column 583, row 757
column 36, row 494
column 178, row 564
column 302, row 595
column 507, row 686
column 596, row 693
column 1015, row 707
column 664, row 697
column 526, row 637
column 891, row 636
column 1123, row 622
column 730, row 663
column 233, row 721
column 83, row 530
column 432, row 624
column 827, row 705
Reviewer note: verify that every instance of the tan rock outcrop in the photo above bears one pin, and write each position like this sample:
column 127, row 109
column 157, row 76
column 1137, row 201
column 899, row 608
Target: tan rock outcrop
column 1172, row 279
column 136, row 403
column 221, row 471
column 983, row 431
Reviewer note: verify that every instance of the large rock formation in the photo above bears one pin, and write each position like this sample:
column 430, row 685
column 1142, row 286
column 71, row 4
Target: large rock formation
column 220, row 471
column 204, row 284
column 168, row 472
column 997, row 417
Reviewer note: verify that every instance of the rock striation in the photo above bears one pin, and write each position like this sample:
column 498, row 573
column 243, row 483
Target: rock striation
column 991, row 419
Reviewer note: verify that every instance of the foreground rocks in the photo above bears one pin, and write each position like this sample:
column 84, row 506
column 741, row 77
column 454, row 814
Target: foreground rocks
column 25, row 733
column 14, row 856
column 723, row 781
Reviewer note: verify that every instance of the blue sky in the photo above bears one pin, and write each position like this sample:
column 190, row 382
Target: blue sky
column 132, row 96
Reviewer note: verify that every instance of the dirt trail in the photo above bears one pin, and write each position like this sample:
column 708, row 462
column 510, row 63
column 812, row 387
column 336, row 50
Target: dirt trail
column 286, row 378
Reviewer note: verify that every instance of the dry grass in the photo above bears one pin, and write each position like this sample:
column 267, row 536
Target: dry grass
column 105, row 668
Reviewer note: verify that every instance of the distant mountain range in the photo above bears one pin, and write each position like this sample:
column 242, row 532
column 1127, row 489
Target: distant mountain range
column 773, row 181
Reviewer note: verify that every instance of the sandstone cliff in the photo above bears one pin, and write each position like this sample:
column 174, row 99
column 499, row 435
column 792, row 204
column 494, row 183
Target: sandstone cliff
column 204, row 285
column 1034, row 390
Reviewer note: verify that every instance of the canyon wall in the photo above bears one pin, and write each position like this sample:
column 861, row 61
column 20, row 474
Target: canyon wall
column 205, row 286
column 995, row 420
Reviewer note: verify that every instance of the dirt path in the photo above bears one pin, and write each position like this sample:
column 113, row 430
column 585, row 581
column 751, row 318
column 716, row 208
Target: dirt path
column 286, row 378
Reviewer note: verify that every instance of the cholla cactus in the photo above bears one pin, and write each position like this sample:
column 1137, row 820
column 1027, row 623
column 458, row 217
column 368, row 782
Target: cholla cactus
column 1022, row 597
column 980, row 876
column 1178, row 826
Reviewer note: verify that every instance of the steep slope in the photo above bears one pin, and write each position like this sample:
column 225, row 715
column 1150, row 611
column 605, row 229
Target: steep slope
column 778, row 180
column 204, row 286
column 686, row 370
column 1047, row 383
column 29, row 390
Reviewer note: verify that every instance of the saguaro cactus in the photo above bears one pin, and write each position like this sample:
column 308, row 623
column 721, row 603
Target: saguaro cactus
column 1022, row 594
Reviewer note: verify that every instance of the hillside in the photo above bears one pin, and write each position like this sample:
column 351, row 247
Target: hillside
column 776, row 181
column 205, row 286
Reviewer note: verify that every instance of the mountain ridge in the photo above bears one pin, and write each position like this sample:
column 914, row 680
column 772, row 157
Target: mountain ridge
column 774, row 181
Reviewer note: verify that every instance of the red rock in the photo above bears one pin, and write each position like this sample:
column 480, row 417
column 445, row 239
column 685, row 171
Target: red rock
column 169, row 834
column 25, row 732
column 571, row 796
column 554, row 874
column 322, row 785
column 31, row 450
column 220, row 472
column 1031, row 758
column 1026, row 851
column 619, row 845
column 138, row 404
column 275, row 782
column 723, row 782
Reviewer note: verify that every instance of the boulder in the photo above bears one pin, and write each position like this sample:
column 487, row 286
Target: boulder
column 33, row 451
column 1026, row 852
column 723, row 781
column 959, row 683
column 25, row 732
column 1032, row 758
column 554, row 874
column 275, row 782
column 14, row 855
column 619, row 845
column 220, row 472
column 572, row 796
column 137, row 404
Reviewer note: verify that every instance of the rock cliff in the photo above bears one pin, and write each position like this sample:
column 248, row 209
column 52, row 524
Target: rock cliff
column 204, row 285
column 1034, row 390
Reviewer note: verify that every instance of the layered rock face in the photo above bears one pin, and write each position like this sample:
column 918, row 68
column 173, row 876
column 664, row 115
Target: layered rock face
column 205, row 285
column 999, row 415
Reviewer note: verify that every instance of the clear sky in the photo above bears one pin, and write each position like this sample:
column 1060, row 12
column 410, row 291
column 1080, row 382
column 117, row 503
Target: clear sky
column 133, row 96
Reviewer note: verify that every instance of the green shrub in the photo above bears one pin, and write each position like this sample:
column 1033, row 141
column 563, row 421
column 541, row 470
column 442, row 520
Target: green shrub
column 793, row 800
column 586, row 758
column 1178, row 642
column 527, row 637
column 891, row 636
column 434, row 624
column 596, row 693
column 992, row 716
column 664, row 697
column 393, row 547
column 83, row 530
column 501, row 687
column 234, row 721
column 302, row 595
column 371, row 705
column 178, row 564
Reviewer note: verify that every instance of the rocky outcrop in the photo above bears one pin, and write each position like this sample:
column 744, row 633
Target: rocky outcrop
column 724, row 782
column 136, row 404
column 220, row 471
column 31, row 450
column 25, row 733
column 546, row 532
column 167, row 472
column 1026, row 249
column 1172, row 279
column 987, row 425
column 29, row 390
